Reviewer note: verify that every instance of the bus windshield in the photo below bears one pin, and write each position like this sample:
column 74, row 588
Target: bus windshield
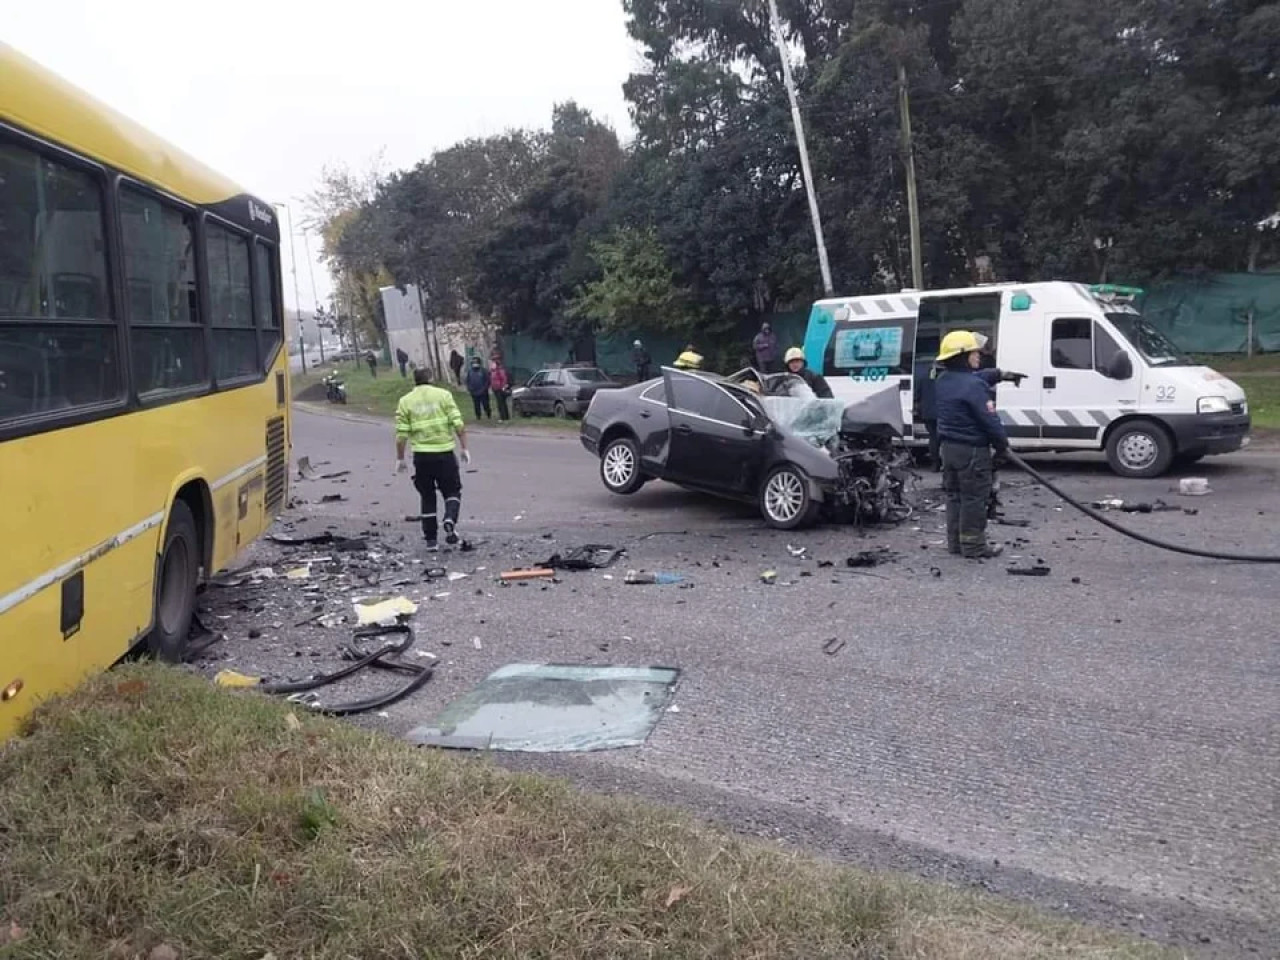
column 1157, row 349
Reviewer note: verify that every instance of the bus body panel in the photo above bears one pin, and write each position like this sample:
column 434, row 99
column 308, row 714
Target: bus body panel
column 100, row 509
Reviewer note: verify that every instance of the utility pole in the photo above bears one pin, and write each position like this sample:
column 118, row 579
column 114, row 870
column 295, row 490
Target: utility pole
column 297, row 297
column 798, row 122
column 311, row 265
column 909, row 159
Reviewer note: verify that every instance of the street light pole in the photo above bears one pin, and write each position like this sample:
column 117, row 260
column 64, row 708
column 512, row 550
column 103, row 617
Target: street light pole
column 297, row 296
column 311, row 265
column 790, row 83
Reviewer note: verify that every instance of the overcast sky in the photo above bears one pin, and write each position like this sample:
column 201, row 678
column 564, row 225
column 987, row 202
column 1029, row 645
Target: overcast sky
column 269, row 91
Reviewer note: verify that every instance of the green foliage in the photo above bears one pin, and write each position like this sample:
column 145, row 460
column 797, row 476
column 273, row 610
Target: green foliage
column 1053, row 139
column 637, row 289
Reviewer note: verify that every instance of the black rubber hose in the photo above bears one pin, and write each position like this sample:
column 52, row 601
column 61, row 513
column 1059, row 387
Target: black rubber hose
column 420, row 674
column 1142, row 537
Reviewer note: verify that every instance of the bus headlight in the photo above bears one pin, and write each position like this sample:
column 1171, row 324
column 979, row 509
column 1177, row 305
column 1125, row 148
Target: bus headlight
column 1213, row 405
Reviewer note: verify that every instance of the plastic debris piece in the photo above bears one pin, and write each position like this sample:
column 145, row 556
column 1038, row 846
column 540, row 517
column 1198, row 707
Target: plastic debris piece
column 234, row 679
column 797, row 552
column 642, row 577
column 455, row 576
column 833, row 646
column 299, row 573
column 537, row 573
column 305, row 470
column 332, row 498
column 475, row 642
column 1033, row 571
column 384, row 613
column 769, row 576
column 262, row 573
column 1194, row 486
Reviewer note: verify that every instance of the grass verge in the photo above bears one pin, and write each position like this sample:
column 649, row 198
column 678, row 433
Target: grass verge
column 150, row 814
column 379, row 396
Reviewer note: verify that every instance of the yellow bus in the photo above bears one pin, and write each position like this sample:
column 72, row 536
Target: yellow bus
column 144, row 418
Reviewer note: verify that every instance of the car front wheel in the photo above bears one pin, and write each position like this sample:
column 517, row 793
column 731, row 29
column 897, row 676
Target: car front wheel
column 620, row 466
column 785, row 501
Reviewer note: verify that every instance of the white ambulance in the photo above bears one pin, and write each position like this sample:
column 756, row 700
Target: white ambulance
column 1098, row 375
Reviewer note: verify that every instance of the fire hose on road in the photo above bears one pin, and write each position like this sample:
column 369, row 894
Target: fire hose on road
column 1141, row 537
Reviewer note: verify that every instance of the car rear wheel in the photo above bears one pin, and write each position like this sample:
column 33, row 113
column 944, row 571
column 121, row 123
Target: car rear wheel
column 785, row 501
column 1140, row 449
column 620, row 466
column 176, row 578
column 559, row 411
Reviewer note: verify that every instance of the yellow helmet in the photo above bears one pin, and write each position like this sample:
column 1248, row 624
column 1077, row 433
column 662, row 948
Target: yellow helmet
column 688, row 361
column 795, row 353
column 960, row 341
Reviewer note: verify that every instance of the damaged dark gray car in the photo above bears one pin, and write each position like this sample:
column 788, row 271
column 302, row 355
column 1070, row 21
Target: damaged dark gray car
column 757, row 438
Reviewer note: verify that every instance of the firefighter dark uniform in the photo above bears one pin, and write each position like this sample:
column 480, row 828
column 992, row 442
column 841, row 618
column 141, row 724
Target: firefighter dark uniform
column 968, row 430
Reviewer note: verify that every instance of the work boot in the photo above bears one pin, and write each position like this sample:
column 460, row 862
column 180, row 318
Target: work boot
column 433, row 547
column 988, row 552
column 450, row 533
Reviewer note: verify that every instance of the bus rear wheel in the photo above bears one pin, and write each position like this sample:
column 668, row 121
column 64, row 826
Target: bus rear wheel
column 176, row 578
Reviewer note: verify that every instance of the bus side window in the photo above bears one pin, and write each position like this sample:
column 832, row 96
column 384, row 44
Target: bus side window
column 235, row 342
column 160, row 278
column 59, row 345
column 264, row 300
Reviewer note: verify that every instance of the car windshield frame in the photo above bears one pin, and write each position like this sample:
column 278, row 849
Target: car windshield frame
column 1152, row 345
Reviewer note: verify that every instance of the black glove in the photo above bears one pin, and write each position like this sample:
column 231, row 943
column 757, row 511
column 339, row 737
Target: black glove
column 1009, row 376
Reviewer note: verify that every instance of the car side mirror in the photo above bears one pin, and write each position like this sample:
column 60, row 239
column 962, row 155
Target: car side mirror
column 1120, row 367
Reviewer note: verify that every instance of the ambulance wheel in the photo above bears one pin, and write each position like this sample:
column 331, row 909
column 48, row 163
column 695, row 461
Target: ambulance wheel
column 176, row 576
column 785, row 501
column 1140, row 449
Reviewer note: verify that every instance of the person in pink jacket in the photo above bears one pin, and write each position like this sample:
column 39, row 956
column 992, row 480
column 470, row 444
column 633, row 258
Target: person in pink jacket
column 500, row 384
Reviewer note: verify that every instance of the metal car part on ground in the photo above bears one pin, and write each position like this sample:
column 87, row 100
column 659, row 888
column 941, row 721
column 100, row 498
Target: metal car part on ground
column 799, row 458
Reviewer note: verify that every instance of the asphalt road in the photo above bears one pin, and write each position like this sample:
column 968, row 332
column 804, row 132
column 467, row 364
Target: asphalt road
column 1107, row 748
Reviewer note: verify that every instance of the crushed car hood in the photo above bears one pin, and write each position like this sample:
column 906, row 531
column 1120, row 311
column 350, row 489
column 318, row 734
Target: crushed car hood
column 821, row 421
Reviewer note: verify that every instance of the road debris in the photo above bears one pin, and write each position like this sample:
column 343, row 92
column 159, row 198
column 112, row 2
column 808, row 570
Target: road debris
column 1036, row 570
column 298, row 573
column 1194, row 487
column 870, row 558
column 383, row 613
column 769, row 576
column 332, row 498
column 833, row 646
column 555, row 708
column 537, row 573
column 797, row 553
column 592, row 556
column 644, row 577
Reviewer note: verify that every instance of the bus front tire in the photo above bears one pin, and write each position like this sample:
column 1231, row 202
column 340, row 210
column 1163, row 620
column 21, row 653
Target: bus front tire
column 177, row 574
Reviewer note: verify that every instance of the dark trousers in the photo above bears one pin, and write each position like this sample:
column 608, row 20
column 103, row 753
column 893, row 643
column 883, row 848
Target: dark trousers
column 404, row 368
column 935, row 452
column 966, row 479
column 501, row 397
column 481, row 401
column 432, row 472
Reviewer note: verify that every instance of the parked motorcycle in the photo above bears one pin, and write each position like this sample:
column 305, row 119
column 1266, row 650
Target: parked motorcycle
column 335, row 390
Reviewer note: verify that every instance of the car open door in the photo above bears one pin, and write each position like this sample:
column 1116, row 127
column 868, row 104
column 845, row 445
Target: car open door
column 714, row 442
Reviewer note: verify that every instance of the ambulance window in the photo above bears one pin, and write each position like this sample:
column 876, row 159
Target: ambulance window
column 870, row 350
column 1105, row 348
column 1071, row 344
column 940, row 315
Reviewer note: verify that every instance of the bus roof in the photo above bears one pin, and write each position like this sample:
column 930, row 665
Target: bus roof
column 44, row 104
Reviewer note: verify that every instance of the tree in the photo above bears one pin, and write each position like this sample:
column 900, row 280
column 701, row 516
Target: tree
column 636, row 289
column 538, row 255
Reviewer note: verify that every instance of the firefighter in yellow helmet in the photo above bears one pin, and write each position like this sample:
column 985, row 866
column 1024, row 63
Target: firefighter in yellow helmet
column 968, row 429
column 797, row 366
column 688, row 360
